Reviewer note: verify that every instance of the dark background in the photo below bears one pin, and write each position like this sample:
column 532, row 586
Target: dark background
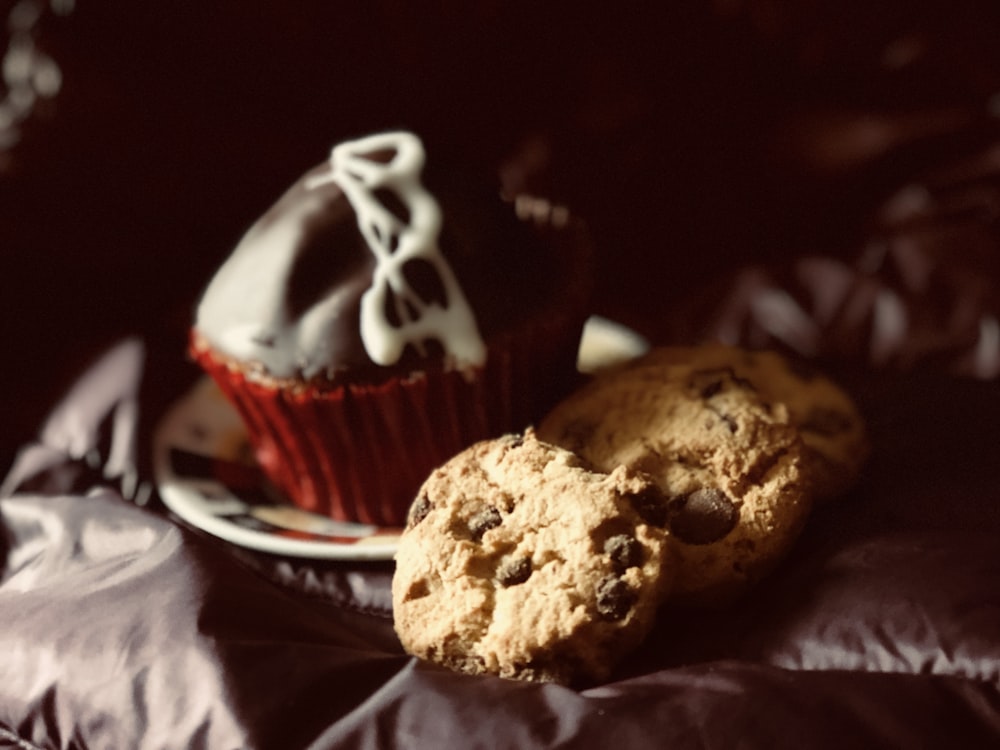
column 693, row 139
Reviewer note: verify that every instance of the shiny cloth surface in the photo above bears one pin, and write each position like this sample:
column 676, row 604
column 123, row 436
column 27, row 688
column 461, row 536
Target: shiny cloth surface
column 121, row 627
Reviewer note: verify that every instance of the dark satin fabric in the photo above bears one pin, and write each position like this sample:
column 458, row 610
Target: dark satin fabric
column 120, row 627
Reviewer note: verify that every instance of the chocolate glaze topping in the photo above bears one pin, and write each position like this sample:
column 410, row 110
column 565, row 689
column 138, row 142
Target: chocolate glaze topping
column 289, row 298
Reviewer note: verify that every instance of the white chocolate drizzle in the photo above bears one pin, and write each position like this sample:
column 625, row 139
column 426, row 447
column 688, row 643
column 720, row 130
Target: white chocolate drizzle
column 394, row 240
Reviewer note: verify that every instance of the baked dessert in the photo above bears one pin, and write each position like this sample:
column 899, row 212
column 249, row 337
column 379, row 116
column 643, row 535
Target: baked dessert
column 388, row 311
column 830, row 423
column 732, row 465
column 520, row 561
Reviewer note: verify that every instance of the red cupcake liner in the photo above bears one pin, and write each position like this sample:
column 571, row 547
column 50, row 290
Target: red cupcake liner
column 359, row 452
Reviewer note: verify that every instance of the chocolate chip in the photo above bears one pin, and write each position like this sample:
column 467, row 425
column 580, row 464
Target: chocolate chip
column 614, row 599
column 709, row 383
column 702, row 517
column 710, row 390
column 419, row 510
column 515, row 571
column 417, row 590
column 624, row 550
column 826, row 421
column 651, row 506
column 729, row 421
column 483, row 521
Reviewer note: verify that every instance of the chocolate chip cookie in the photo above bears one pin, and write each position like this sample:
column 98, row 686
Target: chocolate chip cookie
column 731, row 464
column 519, row 561
column 830, row 423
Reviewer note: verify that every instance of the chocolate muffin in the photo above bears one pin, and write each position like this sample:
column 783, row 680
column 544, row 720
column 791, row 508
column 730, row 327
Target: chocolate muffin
column 386, row 312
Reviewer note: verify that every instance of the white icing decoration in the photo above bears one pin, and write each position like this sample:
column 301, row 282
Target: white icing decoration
column 244, row 311
column 359, row 176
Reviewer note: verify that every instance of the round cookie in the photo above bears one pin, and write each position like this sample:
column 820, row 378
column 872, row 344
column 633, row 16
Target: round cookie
column 518, row 560
column 730, row 463
column 830, row 423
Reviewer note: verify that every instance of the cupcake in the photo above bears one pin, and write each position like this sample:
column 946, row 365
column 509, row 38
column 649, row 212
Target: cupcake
column 385, row 313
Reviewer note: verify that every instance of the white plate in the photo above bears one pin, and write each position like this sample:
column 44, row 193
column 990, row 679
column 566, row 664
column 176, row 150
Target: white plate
column 605, row 343
column 205, row 472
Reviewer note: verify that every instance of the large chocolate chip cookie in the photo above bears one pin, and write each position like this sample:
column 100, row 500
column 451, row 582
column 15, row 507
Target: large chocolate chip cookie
column 830, row 423
column 731, row 463
column 520, row 561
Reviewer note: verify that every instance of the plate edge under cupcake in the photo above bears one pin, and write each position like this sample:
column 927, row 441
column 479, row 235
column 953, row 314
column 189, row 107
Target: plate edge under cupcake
column 205, row 474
